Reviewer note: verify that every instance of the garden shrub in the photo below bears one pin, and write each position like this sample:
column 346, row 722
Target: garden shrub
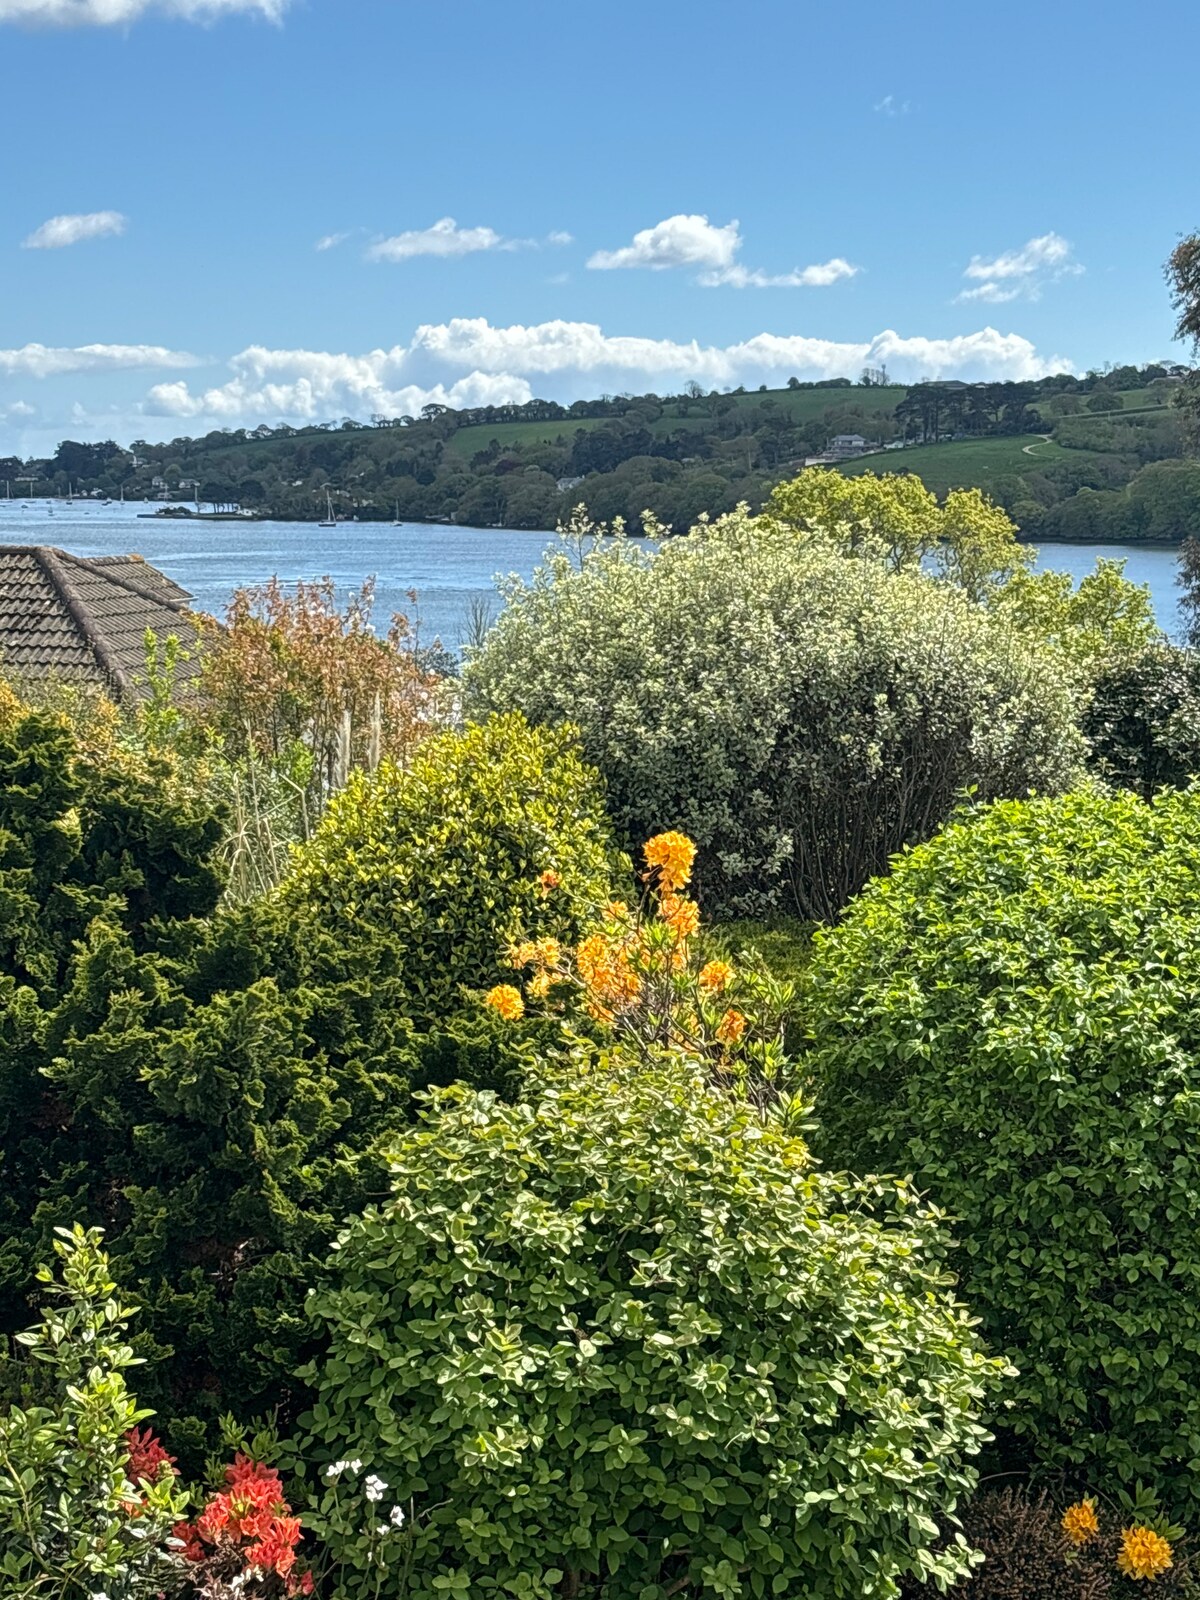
column 211, row 1089
column 1010, row 1017
column 418, row 879
column 622, row 1339
column 800, row 714
column 1142, row 721
column 67, row 1486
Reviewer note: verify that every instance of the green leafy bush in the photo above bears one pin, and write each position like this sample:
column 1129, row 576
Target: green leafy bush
column 798, row 713
column 1011, row 1018
column 211, row 1089
column 1143, row 721
column 623, row 1340
column 66, row 1485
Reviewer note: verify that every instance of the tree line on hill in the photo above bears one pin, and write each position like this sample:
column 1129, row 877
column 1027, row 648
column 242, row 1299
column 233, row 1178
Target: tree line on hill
column 676, row 456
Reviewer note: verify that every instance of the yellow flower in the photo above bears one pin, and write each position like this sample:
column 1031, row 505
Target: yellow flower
column 605, row 971
column 547, row 952
column 1144, row 1553
column 1079, row 1522
column 672, row 854
column 522, row 954
column 714, row 976
column 617, row 911
column 548, row 881
column 731, row 1027
column 681, row 915
column 505, row 1000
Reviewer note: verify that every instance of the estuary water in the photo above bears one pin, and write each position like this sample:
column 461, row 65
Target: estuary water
column 452, row 569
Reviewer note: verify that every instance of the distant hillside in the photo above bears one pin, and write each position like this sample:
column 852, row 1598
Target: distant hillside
column 1045, row 450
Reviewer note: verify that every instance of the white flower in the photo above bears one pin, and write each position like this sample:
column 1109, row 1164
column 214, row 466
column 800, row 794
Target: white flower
column 355, row 1465
column 397, row 1516
column 375, row 1487
column 334, row 1470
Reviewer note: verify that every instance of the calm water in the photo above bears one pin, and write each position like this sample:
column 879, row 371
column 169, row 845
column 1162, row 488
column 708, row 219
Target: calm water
column 450, row 568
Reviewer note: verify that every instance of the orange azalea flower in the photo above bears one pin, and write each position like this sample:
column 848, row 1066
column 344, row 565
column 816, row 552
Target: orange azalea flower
column 547, row 952
column 672, row 855
column 605, row 970
column 548, row 881
column 1144, row 1554
column 1080, row 1523
column 714, row 976
column 522, row 954
column 505, row 1001
column 731, row 1027
column 617, row 911
column 681, row 915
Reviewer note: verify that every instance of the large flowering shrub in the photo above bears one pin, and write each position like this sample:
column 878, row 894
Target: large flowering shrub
column 799, row 713
column 622, row 1339
column 1011, row 1018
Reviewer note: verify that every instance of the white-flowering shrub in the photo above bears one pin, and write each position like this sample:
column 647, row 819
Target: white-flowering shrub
column 799, row 713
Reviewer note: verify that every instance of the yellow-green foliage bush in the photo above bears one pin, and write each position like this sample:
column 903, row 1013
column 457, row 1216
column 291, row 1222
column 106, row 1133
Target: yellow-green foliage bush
column 422, row 877
column 623, row 1340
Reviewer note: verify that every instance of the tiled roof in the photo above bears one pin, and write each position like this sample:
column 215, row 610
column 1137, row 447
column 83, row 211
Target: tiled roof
column 85, row 621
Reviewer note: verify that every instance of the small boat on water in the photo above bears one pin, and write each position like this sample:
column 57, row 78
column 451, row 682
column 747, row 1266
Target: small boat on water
column 330, row 520
column 396, row 522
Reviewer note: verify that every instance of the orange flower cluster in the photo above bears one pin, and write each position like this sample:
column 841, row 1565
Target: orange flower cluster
column 250, row 1518
column 670, row 855
column 731, row 1027
column 681, row 915
column 607, row 973
column 506, row 1001
column 1080, row 1522
column 715, row 976
column 1144, row 1554
column 548, row 881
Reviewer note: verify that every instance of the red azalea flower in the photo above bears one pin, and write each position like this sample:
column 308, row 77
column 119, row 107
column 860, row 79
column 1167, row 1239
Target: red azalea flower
column 146, row 1456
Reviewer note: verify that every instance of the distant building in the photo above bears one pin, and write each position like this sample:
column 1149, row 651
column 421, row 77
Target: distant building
column 846, row 445
column 158, row 483
column 565, row 485
column 85, row 621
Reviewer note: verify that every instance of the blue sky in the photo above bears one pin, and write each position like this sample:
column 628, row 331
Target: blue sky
column 549, row 197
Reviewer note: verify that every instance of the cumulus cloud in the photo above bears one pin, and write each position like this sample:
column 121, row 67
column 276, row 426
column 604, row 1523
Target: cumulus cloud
column 112, row 13
column 1020, row 274
column 74, row 227
column 468, row 362
column 49, row 361
column 688, row 240
column 312, row 385
column 679, row 241
column 444, row 238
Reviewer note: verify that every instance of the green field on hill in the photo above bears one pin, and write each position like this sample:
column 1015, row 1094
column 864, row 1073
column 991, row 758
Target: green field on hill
column 971, row 463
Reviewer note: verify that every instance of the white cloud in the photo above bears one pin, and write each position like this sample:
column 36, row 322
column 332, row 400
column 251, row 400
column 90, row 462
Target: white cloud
column 330, row 241
column 991, row 294
column 819, row 276
column 113, row 13
column 889, row 106
column 679, row 241
column 469, row 362
column 693, row 241
column 74, row 228
column 312, row 385
column 445, row 238
column 49, row 361
column 1020, row 273
column 557, row 236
